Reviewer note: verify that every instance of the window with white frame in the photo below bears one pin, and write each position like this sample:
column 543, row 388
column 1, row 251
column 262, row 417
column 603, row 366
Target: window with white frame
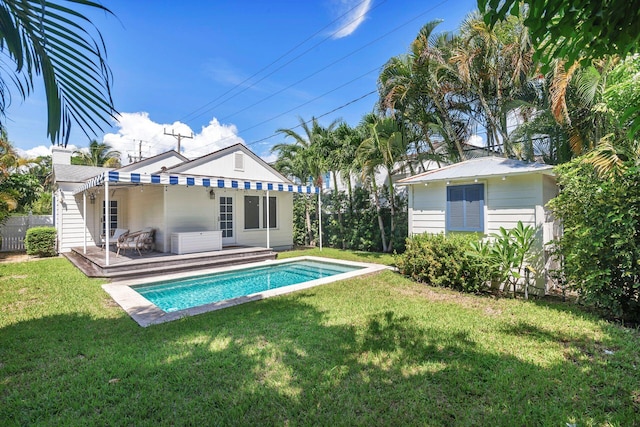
column 465, row 208
column 272, row 212
column 251, row 212
column 255, row 212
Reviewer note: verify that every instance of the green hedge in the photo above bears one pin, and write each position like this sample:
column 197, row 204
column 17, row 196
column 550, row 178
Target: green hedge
column 600, row 245
column 445, row 260
column 41, row 241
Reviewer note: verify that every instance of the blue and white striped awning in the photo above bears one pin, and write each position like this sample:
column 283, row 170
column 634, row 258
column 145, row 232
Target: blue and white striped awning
column 193, row 181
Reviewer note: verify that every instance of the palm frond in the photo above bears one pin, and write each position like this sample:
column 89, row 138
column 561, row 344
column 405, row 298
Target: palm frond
column 48, row 39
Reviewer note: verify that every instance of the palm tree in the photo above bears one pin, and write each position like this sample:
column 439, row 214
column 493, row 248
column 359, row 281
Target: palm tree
column 305, row 158
column 51, row 40
column 98, row 154
column 420, row 86
column 384, row 148
column 493, row 64
column 8, row 161
column 349, row 140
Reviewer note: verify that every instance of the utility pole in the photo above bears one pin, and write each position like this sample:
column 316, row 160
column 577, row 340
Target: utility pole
column 137, row 158
column 178, row 137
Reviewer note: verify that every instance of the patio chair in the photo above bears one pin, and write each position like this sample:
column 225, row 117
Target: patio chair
column 116, row 234
column 139, row 240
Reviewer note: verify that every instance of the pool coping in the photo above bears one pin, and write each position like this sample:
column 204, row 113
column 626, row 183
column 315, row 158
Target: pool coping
column 145, row 313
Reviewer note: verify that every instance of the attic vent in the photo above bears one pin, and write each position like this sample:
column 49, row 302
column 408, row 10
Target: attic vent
column 238, row 161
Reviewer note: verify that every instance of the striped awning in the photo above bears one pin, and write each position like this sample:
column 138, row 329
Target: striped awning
column 193, row 181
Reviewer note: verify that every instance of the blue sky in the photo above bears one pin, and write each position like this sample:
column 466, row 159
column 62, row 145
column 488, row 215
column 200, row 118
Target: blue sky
column 236, row 71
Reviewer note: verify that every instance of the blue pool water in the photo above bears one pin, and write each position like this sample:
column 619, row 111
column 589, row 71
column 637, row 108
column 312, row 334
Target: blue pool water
column 194, row 291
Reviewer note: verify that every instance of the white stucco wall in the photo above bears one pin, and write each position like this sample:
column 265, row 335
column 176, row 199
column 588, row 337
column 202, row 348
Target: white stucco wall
column 191, row 209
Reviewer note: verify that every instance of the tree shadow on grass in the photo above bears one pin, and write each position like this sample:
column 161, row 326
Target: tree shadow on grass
column 283, row 361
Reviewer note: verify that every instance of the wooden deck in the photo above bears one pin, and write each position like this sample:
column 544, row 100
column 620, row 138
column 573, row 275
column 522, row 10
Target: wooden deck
column 133, row 265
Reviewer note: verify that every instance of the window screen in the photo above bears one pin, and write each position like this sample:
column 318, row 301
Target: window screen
column 251, row 212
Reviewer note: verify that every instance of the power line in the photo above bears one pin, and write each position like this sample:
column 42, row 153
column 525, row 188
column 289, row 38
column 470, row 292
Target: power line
column 191, row 116
column 178, row 136
column 416, row 17
column 310, row 101
column 319, row 117
column 298, row 125
column 331, row 64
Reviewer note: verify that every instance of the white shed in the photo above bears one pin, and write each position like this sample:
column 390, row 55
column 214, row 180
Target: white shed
column 481, row 195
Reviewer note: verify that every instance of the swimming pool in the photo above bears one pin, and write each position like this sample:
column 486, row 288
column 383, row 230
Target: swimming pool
column 190, row 292
column 145, row 312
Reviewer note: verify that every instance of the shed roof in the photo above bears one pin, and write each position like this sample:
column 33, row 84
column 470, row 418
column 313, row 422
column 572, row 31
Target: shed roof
column 482, row 167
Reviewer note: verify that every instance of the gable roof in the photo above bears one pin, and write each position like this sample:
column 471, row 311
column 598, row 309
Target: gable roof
column 132, row 167
column 76, row 173
column 221, row 153
column 483, row 167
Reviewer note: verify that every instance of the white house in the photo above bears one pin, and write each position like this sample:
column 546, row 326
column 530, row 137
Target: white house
column 481, row 195
column 231, row 190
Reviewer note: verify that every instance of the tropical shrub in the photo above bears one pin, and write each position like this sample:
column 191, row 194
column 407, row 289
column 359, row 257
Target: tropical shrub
column 445, row 260
column 507, row 253
column 41, row 241
column 600, row 246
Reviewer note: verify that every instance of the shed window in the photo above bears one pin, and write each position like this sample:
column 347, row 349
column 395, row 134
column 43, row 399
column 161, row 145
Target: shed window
column 465, row 207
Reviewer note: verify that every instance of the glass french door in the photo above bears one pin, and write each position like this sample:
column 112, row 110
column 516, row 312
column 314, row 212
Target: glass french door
column 226, row 220
column 111, row 216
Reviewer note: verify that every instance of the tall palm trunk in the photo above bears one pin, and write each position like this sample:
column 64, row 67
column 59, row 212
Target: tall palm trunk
column 376, row 198
column 307, row 218
column 338, row 207
column 392, row 204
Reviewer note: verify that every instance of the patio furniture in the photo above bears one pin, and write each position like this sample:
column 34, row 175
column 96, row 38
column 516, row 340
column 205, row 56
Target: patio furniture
column 142, row 240
column 116, row 234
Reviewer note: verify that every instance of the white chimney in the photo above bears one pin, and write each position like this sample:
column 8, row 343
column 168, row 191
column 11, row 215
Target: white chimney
column 60, row 156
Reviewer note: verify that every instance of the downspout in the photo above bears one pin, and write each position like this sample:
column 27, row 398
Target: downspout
column 320, row 217
column 84, row 222
column 268, row 223
column 107, row 218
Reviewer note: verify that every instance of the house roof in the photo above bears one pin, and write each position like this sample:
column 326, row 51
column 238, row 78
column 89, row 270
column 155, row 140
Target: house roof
column 483, row 167
column 76, row 173
column 223, row 152
column 132, row 167
column 182, row 174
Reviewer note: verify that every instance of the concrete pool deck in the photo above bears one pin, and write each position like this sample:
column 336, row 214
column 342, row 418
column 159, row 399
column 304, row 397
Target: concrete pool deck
column 146, row 313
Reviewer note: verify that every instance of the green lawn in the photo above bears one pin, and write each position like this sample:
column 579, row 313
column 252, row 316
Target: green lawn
column 377, row 350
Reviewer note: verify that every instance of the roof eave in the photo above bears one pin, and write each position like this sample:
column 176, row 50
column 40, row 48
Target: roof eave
column 407, row 181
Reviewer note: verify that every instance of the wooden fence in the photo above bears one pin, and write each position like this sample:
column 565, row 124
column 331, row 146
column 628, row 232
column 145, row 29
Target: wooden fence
column 15, row 229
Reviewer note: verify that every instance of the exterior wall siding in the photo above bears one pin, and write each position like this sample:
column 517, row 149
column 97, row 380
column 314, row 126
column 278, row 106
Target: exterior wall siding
column 69, row 217
column 428, row 209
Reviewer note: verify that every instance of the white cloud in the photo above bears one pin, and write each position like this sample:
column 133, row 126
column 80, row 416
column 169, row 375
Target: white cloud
column 136, row 127
column 32, row 153
column 356, row 13
column 270, row 158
